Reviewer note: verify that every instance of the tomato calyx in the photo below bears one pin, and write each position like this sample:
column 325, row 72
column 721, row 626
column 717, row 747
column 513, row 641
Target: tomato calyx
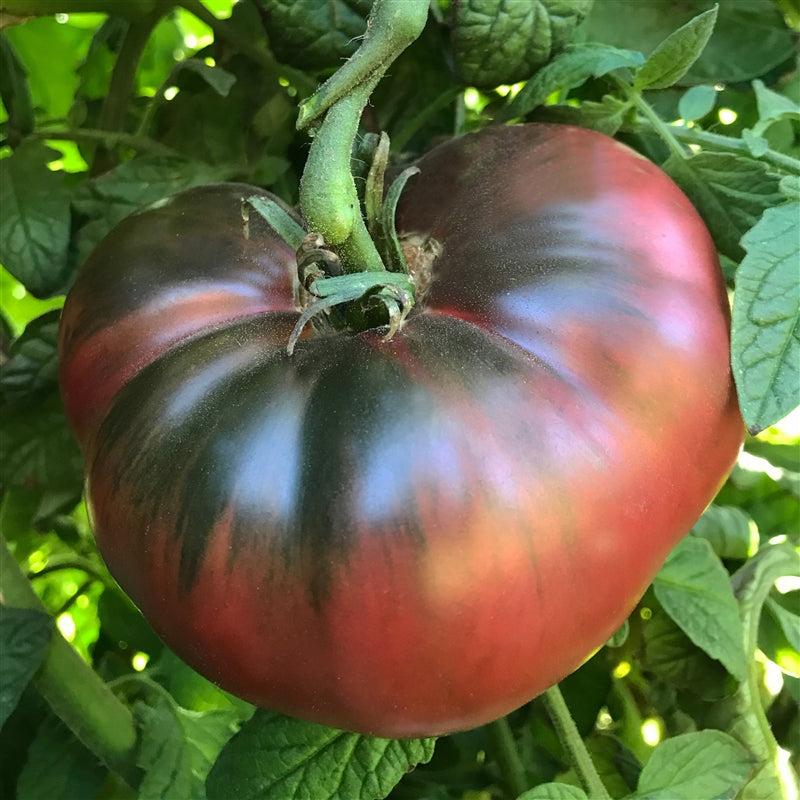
column 336, row 301
column 330, row 293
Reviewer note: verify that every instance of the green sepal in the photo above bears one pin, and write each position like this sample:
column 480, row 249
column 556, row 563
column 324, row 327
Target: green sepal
column 281, row 221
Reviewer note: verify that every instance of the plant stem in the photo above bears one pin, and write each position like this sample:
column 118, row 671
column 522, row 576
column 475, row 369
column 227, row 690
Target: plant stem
column 571, row 741
column 715, row 141
column 121, row 87
column 665, row 131
column 505, row 749
column 328, row 195
column 752, row 585
column 73, row 689
column 108, row 139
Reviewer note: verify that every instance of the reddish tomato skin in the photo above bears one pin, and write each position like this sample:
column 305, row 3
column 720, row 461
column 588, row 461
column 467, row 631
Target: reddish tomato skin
column 412, row 537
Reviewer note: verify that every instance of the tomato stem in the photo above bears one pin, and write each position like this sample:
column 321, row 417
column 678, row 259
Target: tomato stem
column 505, row 750
column 571, row 741
column 72, row 688
column 328, row 195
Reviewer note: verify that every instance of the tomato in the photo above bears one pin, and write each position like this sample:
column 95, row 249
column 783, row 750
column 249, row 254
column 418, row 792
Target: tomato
column 414, row 536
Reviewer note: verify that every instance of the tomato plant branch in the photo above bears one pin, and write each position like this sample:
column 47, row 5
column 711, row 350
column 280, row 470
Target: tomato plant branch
column 716, row 141
column 752, row 585
column 571, row 741
column 665, row 131
column 74, row 691
column 108, row 139
column 328, row 195
column 505, row 750
column 121, row 87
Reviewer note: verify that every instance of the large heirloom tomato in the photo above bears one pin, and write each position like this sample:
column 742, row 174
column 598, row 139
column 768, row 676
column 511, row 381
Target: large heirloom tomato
column 413, row 536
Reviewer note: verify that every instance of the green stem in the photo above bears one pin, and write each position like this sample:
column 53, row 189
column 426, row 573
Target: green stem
column 571, row 741
column 392, row 26
column 752, row 585
column 121, row 87
column 634, row 98
column 73, row 689
column 728, row 144
column 328, row 195
column 131, row 9
column 505, row 749
column 108, row 139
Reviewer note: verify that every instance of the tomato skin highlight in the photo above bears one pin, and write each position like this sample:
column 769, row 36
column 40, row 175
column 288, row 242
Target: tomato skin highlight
column 410, row 537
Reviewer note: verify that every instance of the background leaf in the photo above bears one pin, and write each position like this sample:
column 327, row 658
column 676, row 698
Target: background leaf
column 673, row 57
column 497, row 42
column 750, row 37
column 25, row 635
column 34, row 226
column 31, row 372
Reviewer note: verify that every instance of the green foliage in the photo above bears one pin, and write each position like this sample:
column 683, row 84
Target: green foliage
column 496, row 42
column 675, row 706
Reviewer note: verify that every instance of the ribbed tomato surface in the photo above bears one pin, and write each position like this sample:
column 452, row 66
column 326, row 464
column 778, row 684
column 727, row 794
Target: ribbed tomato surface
column 416, row 536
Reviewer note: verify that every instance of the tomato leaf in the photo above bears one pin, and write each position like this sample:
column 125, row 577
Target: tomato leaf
column 766, row 319
column 111, row 197
column 671, row 60
column 34, row 227
column 39, row 450
column 694, row 589
column 696, row 102
column 313, row 35
column 730, row 531
column 218, row 79
column 15, row 93
column 779, row 633
column 730, row 191
column 25, row 635
column 570, row 69
column 178, row 748
column 498, row 42
column 32, row 370
column 733, row 54
column 704, row 764
column 58, row 766
column 554, row 791
column 274, row 757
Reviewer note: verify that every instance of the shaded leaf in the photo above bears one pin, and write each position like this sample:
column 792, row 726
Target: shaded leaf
column 32, row 369
column 25, row 635
column 554, row 791
column 730, row 531
column 59, row 767
column 696, row 102
column 315, row 36
column 750, row 37
column 34, row 226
